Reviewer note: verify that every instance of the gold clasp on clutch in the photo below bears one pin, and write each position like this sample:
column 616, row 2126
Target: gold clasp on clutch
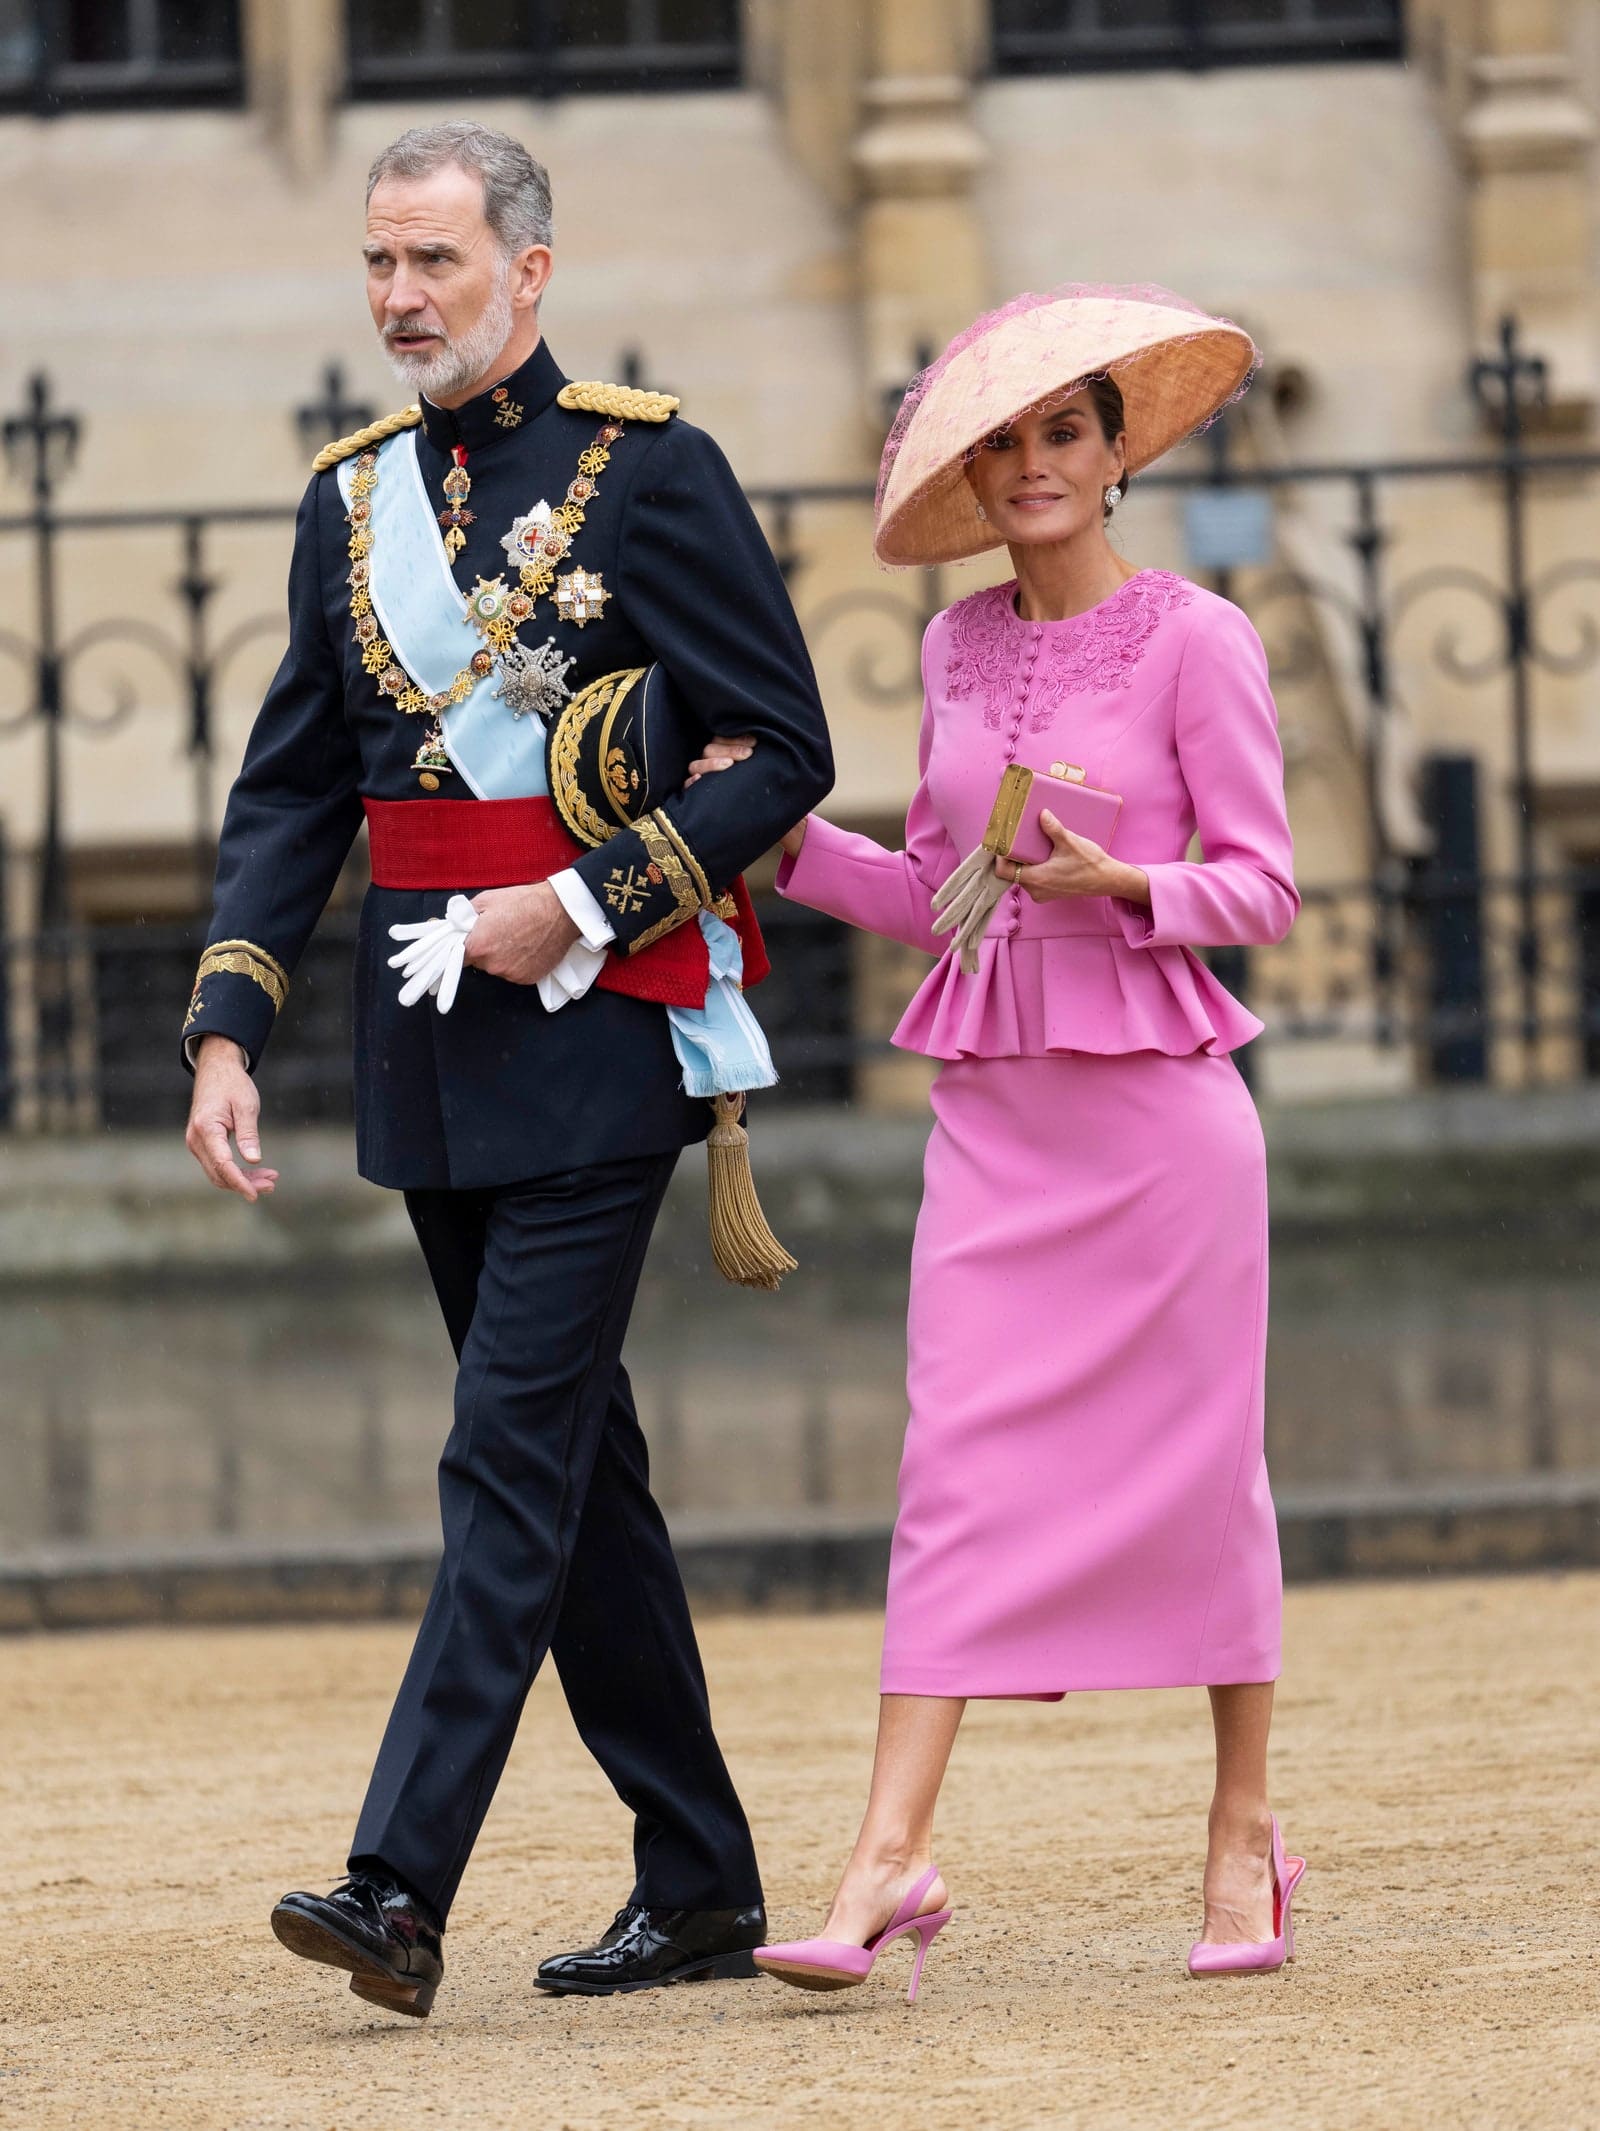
column 1006, row 813
column 1070, row 772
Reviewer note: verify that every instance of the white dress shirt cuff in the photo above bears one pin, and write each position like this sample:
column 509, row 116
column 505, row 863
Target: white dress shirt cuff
column 572, row 976
column 575, row 899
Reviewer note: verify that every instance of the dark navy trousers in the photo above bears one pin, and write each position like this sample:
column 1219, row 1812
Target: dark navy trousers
column 552, row 1541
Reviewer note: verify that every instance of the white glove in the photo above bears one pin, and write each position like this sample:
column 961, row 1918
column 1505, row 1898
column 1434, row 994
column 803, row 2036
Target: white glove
column 436, row 955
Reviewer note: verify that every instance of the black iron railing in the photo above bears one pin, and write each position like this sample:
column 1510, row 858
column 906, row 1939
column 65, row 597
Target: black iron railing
column 1444, row 1008
column 1511, row 993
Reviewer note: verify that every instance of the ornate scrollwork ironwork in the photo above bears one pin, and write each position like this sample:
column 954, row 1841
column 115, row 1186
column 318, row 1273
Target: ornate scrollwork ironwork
column 898, row 639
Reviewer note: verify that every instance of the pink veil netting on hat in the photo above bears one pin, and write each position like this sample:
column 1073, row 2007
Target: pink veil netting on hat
column 1139, row 292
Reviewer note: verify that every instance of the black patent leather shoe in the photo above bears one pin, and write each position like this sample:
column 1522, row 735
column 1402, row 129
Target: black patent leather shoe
column 376, row 1930
column 647, row 1947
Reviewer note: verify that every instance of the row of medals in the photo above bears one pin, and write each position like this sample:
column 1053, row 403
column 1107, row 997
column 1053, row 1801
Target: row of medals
column 529, row 679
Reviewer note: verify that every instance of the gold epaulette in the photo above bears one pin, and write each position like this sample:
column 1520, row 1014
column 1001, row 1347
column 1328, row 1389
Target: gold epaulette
column 374, row 433
column 623, row 403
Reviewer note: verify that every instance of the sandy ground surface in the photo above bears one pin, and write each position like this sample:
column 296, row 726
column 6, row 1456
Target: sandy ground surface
column 1437, row 1759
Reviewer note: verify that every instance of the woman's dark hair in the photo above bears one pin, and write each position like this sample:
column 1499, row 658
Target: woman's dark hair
column 1105, row 396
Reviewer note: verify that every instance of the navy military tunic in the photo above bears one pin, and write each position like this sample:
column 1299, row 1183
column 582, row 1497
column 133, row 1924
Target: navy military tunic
column 499, row 1089
column 533, row 1148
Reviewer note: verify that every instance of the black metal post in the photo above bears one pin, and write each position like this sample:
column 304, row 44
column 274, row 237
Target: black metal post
column 39, row 444
column 1497, row 385
column 1219, row 446
column 785, row 551
column 195, row 589
column 1451, row 894
column 1369, row 540
column 333, row 415
column 8, row 1083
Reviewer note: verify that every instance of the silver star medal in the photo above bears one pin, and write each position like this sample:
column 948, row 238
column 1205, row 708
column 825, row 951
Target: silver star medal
column 533, row 680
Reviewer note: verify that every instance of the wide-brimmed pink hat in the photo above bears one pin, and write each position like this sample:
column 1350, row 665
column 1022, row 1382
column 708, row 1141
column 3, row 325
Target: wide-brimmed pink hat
column 1176, row 367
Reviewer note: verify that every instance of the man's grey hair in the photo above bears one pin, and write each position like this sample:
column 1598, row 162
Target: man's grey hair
column 516, row 187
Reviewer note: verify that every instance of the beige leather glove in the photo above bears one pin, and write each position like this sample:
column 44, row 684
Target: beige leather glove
column 966, row 902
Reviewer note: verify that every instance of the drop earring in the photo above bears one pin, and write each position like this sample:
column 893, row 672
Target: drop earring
column 1113, row 498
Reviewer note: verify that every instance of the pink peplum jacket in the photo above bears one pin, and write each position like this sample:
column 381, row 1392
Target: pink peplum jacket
column 1160, row 694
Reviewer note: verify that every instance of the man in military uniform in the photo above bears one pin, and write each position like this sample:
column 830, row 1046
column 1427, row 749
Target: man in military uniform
column 461, row 571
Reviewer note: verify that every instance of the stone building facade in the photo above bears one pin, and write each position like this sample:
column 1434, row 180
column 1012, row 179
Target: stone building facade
column 775, row 209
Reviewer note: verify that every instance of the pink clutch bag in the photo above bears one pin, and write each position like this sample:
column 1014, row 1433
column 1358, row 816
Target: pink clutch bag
column 1024, row 795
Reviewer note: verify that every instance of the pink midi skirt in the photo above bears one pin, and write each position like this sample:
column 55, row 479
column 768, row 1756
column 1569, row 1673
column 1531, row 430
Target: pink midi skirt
column 1083, row 1495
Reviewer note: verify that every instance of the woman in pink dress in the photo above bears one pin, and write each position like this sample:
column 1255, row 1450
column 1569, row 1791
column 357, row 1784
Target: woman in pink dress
column 1083, row 1495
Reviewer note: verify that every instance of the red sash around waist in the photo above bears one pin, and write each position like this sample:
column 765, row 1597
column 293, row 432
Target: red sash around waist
column 460, row 845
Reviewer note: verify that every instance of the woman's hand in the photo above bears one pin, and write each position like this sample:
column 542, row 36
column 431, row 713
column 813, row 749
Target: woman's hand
column 720, row 755
column 1077, row 865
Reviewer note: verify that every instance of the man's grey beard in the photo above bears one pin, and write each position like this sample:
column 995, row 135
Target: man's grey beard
column 451, row 365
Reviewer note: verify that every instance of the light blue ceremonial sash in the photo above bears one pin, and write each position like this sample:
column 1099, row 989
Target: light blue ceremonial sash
column 422, row 612
column 721, row 1045
column 424, row 615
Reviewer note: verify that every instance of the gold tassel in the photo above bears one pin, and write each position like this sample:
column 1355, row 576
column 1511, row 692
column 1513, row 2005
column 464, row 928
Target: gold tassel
column 744, row 1248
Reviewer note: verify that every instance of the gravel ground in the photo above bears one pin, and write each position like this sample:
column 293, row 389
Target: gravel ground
column 1438, row 1760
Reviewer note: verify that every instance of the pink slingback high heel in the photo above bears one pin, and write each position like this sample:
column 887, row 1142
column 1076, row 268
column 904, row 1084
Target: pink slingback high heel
column 831, row 1964
column 1247, row 1957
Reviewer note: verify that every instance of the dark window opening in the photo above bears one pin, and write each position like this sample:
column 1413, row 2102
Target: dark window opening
column 541, row 47
column 1054, row 36
column 58, row 55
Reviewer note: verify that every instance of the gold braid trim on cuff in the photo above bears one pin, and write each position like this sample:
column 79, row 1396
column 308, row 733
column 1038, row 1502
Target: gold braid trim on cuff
column 661, row 853
column 242, row 958
column 702, row 887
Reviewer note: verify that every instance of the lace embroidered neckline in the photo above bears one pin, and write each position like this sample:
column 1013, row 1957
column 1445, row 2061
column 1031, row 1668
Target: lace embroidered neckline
column 1028, row 668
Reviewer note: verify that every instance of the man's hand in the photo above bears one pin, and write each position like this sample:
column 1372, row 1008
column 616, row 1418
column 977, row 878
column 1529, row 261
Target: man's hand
column 521, row 933
column 226, row 1101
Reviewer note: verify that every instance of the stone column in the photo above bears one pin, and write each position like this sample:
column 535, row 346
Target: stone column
column 294, row 63
column 1528, row 136
column 916, row 159
column 809, row 54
